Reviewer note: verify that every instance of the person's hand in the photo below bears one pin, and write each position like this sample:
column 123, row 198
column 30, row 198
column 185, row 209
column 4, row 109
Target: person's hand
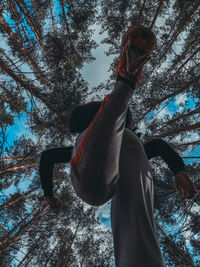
column 184, row 185
column 54, row 203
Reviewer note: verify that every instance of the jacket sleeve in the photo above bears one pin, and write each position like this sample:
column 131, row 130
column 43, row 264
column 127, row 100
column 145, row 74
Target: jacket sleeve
column 47, row 161
column 159, row 147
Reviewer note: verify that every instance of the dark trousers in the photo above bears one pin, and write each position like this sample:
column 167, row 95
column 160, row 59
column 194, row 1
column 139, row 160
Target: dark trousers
column 109, row 162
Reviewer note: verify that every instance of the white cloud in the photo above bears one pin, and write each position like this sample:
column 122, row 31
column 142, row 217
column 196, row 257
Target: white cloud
column 97, row 72
column 181, row 100
column 164, row 112
column 104, row 210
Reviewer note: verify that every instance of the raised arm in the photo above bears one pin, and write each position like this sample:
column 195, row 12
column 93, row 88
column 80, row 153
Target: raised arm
column 159, row 147
column 47, row 161
column 182, row 182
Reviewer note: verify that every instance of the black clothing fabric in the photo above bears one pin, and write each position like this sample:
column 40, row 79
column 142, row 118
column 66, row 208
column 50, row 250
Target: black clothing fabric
column 159, row 147
column 47, row 161
column 82, row 115
column 129, row 83
column 154, row 148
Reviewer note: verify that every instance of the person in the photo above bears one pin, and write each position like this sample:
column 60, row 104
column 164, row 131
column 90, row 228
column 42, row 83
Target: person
column 109, row 161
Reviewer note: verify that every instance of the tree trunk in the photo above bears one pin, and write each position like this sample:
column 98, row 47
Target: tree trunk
column 14, row 38
column 18, row 224
column 52, row 18
column 24, row 84
column 9, row 59
column 156, row 15
column 11, row 104
column 188, row 144
column 68, row 253
column 173, row 38
column 182, row 55
column 84, row 257
column 196, row 111
column 7, row 159
column 38, row 244
column 17, row 18
column 17, row 199
column 181, row 130
column 141, row 10
column 35, row 8
column 14, row 15
column 176, row 250
column 64, row 15
column 193, row 54
column 14, row 168
column 24, row 10
column 181, row 90
column 12, row 63
column 6, row 246
column 33, row 26
column 180, row 30
column 191, row 157
column 177, row 18
column 139, row 4
column 55, row 248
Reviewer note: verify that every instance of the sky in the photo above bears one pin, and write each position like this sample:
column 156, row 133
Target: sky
column 95, row 73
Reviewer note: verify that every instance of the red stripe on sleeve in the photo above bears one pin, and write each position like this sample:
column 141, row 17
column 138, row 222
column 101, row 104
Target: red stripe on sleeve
column 76, row 159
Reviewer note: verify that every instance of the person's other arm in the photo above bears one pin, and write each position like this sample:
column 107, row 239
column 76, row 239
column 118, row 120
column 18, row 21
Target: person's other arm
column 159, row 147
column 47, row 161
